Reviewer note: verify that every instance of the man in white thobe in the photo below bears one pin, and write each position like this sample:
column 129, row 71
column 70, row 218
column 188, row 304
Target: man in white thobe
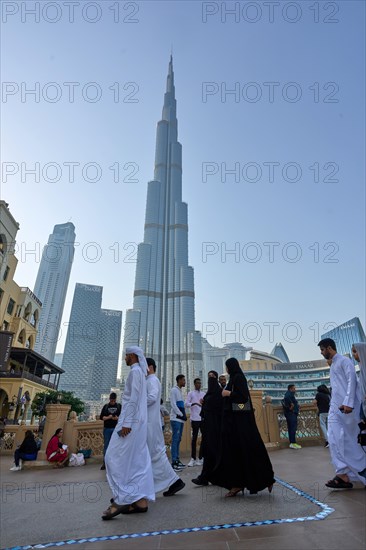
column 347, row 455
column 163, row 473
column 127, row 458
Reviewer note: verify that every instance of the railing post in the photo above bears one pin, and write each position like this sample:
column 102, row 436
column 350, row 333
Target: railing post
column 272, row 423
column 56, row 418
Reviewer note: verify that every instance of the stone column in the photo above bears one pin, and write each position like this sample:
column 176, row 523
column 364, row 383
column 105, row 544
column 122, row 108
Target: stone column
column 257, row 401
column 56, row 418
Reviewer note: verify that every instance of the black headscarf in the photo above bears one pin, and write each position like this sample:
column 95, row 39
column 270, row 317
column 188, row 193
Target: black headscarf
column 233, row 369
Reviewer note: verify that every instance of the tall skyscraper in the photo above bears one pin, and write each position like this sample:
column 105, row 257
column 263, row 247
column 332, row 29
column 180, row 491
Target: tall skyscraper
column 162, row 320
column 90, row 359
column 107, row 352
column 51, row 286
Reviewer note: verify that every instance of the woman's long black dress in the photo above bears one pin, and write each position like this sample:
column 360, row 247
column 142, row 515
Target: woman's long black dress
column 243, row 459
column 211, row 427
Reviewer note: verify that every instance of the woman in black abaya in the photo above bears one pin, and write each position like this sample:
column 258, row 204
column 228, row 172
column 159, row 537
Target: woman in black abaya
column 243, row 461
column 211, row 427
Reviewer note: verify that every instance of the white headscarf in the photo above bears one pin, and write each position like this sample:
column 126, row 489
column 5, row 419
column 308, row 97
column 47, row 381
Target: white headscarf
column 141, row 358
column 361, row 350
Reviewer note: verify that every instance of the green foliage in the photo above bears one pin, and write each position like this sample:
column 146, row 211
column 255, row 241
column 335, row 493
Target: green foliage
column 48, row 397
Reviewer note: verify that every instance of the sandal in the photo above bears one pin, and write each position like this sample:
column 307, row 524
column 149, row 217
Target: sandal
column 338, row 483
column 132, row 509
column 233, row 492
column 112, row 511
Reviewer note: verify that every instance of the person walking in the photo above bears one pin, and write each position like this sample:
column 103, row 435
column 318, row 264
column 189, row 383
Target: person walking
column 163, row 473
column 109, row 415
column 211, row 415
column 243, row 460
column 347, row 455
column 291, row 410
column 322, row 400
column 127, row 459
column 194, row 402
column 177, row 419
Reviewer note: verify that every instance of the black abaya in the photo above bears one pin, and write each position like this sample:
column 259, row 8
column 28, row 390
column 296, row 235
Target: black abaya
column 243, row 460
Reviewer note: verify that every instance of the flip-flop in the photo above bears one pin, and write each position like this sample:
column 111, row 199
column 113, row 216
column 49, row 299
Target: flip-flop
column 109, row 514
column 132, row 509
column 338, row 483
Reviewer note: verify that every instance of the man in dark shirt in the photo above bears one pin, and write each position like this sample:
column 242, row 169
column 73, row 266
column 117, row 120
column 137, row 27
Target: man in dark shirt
column 109, row 415
column 291, row 410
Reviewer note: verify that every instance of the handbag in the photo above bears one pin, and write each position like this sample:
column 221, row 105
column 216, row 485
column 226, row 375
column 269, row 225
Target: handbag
column 241, row 407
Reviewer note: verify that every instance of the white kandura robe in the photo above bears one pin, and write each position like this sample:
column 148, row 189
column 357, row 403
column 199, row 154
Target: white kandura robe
column 163, row 473
column 346, row 454
column 127, row 459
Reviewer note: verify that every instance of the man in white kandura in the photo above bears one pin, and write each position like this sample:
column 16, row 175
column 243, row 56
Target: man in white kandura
column 164, row 475
column 347, row 455
column 127, row 459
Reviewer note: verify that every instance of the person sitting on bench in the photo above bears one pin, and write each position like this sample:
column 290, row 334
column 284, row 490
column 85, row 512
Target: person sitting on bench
column 26, row 451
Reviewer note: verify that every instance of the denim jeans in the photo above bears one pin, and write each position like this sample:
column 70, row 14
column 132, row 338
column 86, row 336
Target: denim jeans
column 323, row 421
column 107, row 434
column 177, row 429
column 291, row 419
column 23, row 456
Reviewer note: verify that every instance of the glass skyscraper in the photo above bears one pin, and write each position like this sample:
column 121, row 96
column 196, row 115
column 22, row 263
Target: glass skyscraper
column 90, row 359
column 51, row 286
column 107, row 352
column 162, row 320
column 345, row 335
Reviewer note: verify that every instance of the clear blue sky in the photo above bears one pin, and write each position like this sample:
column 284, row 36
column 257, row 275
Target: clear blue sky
column 324, row 129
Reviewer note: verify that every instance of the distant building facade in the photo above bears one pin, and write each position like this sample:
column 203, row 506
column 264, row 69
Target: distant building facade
column 280, row 352
column 51, row 286
column 90, row 358
column 272, row 376
column 214, row 357
column 345, row 335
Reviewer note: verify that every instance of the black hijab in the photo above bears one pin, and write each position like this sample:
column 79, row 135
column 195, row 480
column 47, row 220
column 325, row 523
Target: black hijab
column 233, row 369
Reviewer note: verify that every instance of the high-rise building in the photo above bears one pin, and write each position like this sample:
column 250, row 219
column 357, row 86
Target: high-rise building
column 51, row 286
column 90, row 358
column 107, row 352
column 345, row 335
column 162, row 320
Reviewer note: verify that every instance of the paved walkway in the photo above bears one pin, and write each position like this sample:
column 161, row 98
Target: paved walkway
column 40, row 507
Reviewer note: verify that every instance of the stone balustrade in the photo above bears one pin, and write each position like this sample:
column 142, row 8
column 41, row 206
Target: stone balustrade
column 89, row 435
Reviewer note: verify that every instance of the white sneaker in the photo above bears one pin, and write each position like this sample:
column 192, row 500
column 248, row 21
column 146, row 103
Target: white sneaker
column 15, row 469
column 293, row 446
column 192, row 462
column 199, row 462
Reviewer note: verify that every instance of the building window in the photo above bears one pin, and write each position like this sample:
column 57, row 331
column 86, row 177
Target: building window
column 6, row 272
column 1, row 294
column 11, row 305
column 5, row 325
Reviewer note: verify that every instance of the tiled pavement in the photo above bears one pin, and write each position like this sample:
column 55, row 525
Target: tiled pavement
column 306, row 469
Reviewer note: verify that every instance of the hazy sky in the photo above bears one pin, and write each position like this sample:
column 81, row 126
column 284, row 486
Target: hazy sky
column 273, row 92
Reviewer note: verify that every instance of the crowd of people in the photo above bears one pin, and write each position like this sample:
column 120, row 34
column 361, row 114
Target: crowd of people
column 231, row 453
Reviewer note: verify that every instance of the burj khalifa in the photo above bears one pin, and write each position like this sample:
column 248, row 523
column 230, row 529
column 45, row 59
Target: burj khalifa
column 162, row 320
